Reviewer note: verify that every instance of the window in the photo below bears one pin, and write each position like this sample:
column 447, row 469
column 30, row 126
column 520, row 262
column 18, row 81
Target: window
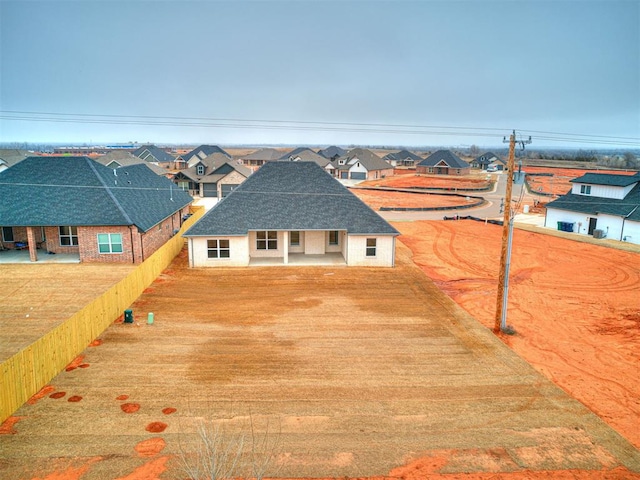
column 371, row 247
column 200, row 169
column 585, row 189
column 218, row 249
column 110, row 242
column 267, row 240
column 68, row 236
column 183, row 185
column 294, row 239
column 333, row 237
column 7, row 234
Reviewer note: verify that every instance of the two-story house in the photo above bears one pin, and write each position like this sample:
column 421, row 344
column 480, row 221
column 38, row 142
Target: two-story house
column 602, row 205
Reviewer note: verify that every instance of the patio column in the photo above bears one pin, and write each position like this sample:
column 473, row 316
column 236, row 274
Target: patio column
column 285, row 248
column 31, row 241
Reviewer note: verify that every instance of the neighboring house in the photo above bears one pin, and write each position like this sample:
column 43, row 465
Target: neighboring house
column 443, row 162
column 76, row 205
column 489, row 161
column 332, row 152
column 214, row 176
column 10, row 156
column 599, row 204
column 155, row 155
column 121, row 158
column 295, row 152
column 201, row 152
column 258, row 158
column 362, row 164
column 311, row 156
column 403, row 158
column 289, row 212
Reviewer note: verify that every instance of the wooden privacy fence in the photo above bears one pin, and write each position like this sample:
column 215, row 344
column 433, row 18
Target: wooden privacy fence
column 26, row 372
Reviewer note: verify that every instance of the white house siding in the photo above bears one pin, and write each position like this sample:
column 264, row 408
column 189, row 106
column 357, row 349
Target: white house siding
column 238, row 251
column 611, row 225
column 314, row 243
column 631, row 232
column 605, row 191
column 357, row 247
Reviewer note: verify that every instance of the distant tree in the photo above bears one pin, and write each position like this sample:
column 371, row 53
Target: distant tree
column 586, row 156
column 474, row 150
column 630, row 160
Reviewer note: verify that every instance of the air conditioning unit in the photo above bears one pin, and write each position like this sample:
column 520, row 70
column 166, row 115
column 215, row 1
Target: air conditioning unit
column 598, row 233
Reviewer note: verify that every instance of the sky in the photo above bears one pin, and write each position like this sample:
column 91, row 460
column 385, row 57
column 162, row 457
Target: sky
column 407, row 73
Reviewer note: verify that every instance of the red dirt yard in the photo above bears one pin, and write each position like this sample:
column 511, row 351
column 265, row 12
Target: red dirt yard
column 575, row 307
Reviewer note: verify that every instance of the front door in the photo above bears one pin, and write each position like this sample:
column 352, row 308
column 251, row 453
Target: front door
column 592, row 225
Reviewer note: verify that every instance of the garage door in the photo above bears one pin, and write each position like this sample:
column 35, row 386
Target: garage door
column 344, row 175
column 226, row 189
column 210, row 190
column 358, row 175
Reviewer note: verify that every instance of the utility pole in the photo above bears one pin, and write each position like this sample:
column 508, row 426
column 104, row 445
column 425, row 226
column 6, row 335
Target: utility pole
column 507, row 235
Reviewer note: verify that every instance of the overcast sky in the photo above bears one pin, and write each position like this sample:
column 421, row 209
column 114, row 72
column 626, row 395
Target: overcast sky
column 541, row 66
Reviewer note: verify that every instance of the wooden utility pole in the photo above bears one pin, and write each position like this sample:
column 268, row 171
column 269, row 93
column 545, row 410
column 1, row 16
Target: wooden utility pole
column 507, row 232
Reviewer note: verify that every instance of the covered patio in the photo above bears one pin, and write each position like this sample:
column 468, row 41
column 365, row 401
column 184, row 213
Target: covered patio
column 297, row 259
column 22, row 256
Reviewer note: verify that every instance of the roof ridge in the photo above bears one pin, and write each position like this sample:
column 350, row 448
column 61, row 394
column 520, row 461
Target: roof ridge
column 108, row 189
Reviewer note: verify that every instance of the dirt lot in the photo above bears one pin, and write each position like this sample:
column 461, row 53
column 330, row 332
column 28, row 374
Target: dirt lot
column 364, row 371
column 380, row 198
column 408, row 180
column 560, row 182
column 35, row 298
column 574, row 305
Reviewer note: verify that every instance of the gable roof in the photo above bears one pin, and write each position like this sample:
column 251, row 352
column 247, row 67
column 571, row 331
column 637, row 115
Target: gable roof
column 11, row 156
column 626, row 207
column 446, row 156
column 367, row 158
column 204, row 151
column 487, row 158
column 159, row 154
column 295, row 152
column 402, row 155
column 266, row 154
column 212, row 164
column 332, row 151
column 608, row 179
column 290, row 196
column 123, row 158
column 307, row 155
column 78, row 191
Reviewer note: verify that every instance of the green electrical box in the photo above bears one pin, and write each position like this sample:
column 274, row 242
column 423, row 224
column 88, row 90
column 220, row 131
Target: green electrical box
column 128, row 316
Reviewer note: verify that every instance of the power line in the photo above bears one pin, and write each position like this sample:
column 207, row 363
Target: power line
column 303, row 125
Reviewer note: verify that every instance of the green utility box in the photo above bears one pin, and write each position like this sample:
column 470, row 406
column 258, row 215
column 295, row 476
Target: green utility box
column 128, row 316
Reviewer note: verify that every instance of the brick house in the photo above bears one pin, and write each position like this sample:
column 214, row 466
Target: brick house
column 76, row 205
column 214, row 176
column 443, row 162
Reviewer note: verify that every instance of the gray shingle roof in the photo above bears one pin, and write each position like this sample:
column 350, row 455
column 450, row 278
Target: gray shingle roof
column 402, row 155
column 367, row 158
column 266, row 154
column 78, row 191
column 294, row 152
column 608, row 179
column 125, row 159
column 332, row 151
column 446, row 156
column 212, row 164
column 206, row 150
column 306, row 156
column 290, row 196
column 626, row 207
column 159, row 154
column 11, row 156
column 487, row 158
